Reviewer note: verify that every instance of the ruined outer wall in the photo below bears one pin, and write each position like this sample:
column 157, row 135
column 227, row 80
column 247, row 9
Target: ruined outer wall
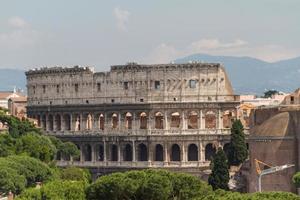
column 130, row 83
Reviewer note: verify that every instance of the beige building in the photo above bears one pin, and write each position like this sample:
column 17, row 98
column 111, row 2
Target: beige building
column 170, row 116
column 17, row 106
column 5, row 96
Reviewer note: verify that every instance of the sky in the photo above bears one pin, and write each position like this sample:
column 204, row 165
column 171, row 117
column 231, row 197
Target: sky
column 98, row 33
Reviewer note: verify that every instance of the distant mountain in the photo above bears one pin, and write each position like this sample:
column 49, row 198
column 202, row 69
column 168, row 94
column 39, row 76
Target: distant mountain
column 10, row 78
column 254, row 76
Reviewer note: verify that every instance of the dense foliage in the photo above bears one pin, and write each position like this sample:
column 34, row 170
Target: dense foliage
column 270, row 93
column 296, row 179
column 238, row 152
column 76, row 174
column 219, row 176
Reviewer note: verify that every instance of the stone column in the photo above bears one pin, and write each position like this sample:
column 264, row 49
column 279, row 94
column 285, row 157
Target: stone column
column 166, row 125
column 166, row 155
column 202, row 120
column 54, row 123
column 220, row 121
column 150, row 153
column 200, row 152
column 71, row 122
column 81, row 153
column 104, row 151
column 183, row 124
column 184, row 155
column 93, row 148
column 135, row 124
column 62, row 122
column 133, row 151
column 119, row 122
column 81, row 122
column 119, row 152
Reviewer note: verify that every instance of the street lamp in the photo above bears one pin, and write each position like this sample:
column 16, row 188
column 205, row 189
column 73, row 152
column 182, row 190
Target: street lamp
column 269, row 170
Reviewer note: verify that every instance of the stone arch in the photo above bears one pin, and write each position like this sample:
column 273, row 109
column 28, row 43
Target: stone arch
column 143, row 120
column 89, row 122
column 127, row 154
column 87, row 152
column 67, row 122
column 38, row 118
column 114, row 153
column 114, row 120
column 226, row 149
column 175, row 153
column 175, row 120
column 128, row 120
column 193, row 120
column 227, row 118
column 50, row 122
column 159, row 152
column 192, row 152
column 210, row 120
column 99, row 152
column 142, row 152
column 210, row 151
column 77, row 123
column 58, row 122
column 44, row 122
column 159, row 120
column 101, row 121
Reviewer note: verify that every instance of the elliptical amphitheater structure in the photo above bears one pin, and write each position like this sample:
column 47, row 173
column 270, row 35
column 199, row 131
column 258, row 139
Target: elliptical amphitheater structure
column 136, row 116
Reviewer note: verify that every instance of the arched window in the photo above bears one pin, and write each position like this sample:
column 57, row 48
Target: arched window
column 67, row 122
column 114, row 120
column 99, row 152
column 210, row 152
column 159, row 120
column 127, row 153
column 175, row 153
column 192, row 152
column 193, row 120
column 38, row 118
column 50, row 121
column 143, row 120
column 101, row 122
column 87, row 152
column 58, row 122
column 114, row 152
column 77, row 123
column 159, row 152
column 210, row 120
column 142, row 152
column 128, row 120
column 89, row 122
column 175, row 120
column 44, row 122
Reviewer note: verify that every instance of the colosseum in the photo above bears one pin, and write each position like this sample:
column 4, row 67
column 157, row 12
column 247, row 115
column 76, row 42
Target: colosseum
column 136, row 116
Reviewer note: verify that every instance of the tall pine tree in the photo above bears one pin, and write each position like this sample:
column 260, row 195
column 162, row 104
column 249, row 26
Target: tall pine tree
column 238, row 152
column 219, row 176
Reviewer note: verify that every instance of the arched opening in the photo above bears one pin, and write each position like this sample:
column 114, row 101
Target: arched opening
column 128, row 121
column 159, row 119
column 114, row 120
column 78, row 158
column 192, row 152
column 77, row 123
column 87, row 152
column 58, row 122
column 89, row 122
column 44, row 122
column 114, row 152
column 142, row 152
column 99, row 152
column 127, row 153
column 175, row 153
column 193, row 120
column 50, row 121
column 101, row 122
column 38, row 118
column 143, row 120
column 159, row 152
column 210, row 151
column 67, row 120
column 175, row 120
column 226, row 149
column 210, row 120
column 227, row 119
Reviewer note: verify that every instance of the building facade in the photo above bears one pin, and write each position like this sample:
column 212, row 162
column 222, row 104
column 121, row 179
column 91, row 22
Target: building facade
column 136, row 116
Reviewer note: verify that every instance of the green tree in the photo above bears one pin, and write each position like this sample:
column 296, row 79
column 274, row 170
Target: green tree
column 238, row 152
column 7, row 145
column 296, row 179
column 219, row 177
column 10, row 180
column 65, row 149
column 270, row 93
column 76, row 174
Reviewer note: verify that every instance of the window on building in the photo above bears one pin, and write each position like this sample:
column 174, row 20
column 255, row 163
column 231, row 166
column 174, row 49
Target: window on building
column 125, row 85
column 157, row 85
column 98, row 87
column 192, row 83
column 57, row 88
column 76, row 87
column 44, row 88
column 292, row 100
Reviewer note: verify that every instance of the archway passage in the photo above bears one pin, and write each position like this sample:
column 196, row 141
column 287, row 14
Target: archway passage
column 192, row 152
column 143, row 120
column 58, row 122
column 227, row 119
column 114, row 121
column 193, row 120
column 50, row 120
column 89, row 122
column 159, row 121
column 101, row 122
column 128, row 121
column 114, row 153
column 159, row 152
column 175, row 120
column 77, row 123
column 79, row 157
column 128, row 153
column 87, row 152
column 44, row 122
column 100, row 152
column 142, row 152
column 210, row 151
column 210, row 120
column 226, row 149
column 175, row 153
column 67, row 120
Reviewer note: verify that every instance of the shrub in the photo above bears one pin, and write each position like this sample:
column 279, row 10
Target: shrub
column 296, row 179
column 76, row 174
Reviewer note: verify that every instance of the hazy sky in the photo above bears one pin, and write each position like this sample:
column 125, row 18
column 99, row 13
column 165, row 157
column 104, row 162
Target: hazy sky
column 35, row 33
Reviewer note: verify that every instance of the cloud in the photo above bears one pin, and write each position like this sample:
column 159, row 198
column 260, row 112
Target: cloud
column 268, row 52
column 122, row 18
column 17, row 22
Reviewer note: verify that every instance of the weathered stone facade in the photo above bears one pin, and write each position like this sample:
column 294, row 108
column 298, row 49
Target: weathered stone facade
column 136, row 116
